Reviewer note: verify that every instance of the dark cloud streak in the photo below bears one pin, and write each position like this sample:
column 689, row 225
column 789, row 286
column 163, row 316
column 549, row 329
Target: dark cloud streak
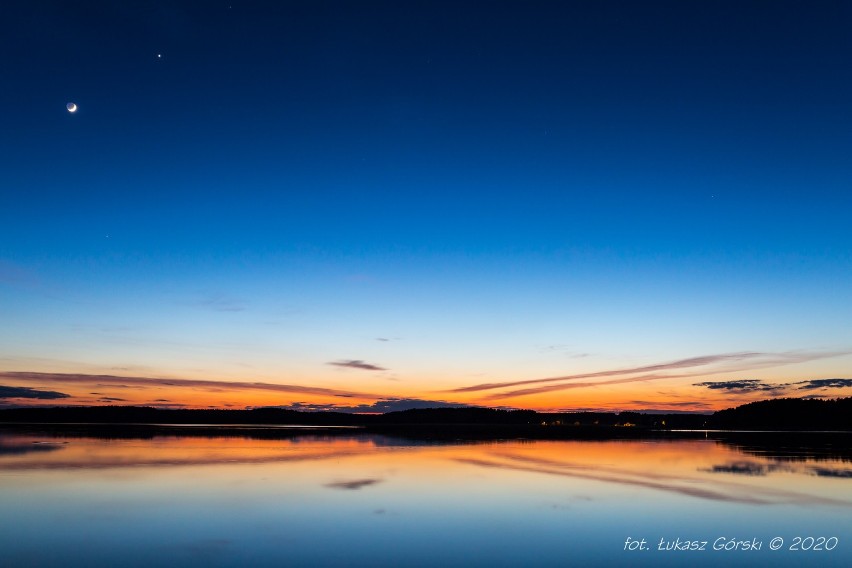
column 356, row 364
column 746, row 386
column 743, row 386
column 824, row 384
column 143, row 382
column 26, row 392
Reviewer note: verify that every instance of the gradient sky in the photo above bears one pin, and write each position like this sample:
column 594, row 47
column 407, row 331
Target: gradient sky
column 328, row 204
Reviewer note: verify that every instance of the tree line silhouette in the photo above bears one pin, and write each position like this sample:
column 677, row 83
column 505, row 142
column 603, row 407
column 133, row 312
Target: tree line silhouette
column 776, row 414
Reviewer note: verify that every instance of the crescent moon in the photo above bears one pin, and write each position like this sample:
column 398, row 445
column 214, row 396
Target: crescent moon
column 72, row 107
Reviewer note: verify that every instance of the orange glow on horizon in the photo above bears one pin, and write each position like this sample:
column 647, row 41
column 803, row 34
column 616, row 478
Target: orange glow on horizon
column 658, row 392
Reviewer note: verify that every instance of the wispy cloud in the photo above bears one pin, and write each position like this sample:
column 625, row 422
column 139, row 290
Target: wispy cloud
column 356, row 364
column 674, row 404
column 564, row 349
column 15, row 275
column 380, row 406
column 146, row 382
column 679, row 364
column 704, row 365
column 220, row 303
column 674, row 407
column 26, row 392
column 567, row 386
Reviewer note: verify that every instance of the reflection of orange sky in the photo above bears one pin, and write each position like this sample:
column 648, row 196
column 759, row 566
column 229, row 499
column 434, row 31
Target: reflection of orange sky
column 176, row 450
column 173, row 450
column 320, row 464
column 191, row 450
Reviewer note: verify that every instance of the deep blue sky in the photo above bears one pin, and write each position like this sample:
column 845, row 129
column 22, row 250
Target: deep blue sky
column 630, row 181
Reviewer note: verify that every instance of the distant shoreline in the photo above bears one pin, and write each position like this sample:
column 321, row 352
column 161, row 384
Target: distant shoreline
column 479, row 431
column 777, row 415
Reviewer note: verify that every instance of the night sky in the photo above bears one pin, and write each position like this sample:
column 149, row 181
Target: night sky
column 369, row 205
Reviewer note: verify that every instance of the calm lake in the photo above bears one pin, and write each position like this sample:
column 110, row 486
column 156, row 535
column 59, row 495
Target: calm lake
column 366, row 500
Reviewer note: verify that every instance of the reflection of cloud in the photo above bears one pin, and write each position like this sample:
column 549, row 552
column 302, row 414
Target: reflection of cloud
column 742, row 386
column 671, row 487
column 829, row 472
column 25, row 392
column 730, row 492
column 209, row 550
column 824, row 384
column 357, row 364
column 745, row 468
column 354, row 484
column 380, row 406
column 146, row 382
column 226, row 458
column 760, row 469
column 20, row 449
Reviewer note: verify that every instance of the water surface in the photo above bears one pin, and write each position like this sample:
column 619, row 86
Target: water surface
column 366, row 500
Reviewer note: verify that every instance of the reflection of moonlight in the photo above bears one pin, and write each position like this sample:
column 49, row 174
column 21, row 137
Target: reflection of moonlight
column 72, row 107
